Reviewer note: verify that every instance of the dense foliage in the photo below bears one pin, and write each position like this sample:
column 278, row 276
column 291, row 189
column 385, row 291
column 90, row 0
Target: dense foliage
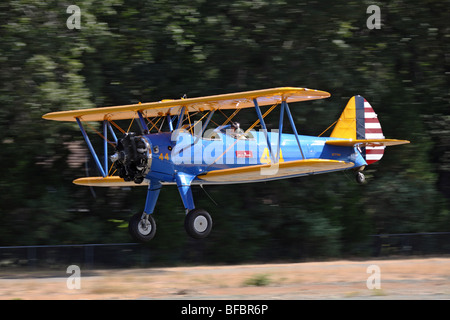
column 128, row 51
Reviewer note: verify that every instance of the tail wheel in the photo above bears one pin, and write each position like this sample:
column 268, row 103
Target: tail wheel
column 142, row 227
column 198, row 223
column 360, row 177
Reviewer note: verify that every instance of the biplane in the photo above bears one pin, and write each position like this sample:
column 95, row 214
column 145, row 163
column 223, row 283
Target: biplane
column 170, row 147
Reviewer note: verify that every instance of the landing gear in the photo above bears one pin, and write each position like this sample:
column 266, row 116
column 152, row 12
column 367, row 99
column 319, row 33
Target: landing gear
column 198, row 223
column 142, row 227
column 360, row 178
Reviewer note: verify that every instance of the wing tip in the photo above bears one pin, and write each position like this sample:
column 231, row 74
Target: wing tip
column 109, row 181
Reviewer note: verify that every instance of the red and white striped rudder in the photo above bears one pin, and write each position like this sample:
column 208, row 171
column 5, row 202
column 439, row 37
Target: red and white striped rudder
column 372, row 130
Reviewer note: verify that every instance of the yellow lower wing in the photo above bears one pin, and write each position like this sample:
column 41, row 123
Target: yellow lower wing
column 279, row 170
column 110, row 181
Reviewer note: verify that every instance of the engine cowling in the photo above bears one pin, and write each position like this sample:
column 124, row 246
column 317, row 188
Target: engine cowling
column 132, row 158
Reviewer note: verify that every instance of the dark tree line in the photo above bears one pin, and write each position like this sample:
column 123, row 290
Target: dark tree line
column 128, row 51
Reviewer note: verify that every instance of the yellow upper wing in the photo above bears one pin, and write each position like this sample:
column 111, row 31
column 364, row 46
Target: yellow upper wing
column 171, row 107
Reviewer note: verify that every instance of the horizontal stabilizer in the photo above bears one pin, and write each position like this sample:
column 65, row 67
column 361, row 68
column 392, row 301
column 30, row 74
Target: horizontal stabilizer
column 281, row 170
column 110, row 181
column 366, row 142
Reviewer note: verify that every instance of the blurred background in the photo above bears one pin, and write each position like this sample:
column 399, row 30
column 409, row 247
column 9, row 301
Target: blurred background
column 128, row 51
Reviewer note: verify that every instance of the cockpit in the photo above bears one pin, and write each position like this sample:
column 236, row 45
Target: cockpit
column 232, row 130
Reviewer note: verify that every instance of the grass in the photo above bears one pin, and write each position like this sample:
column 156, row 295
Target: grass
column 378, row 293
column 258, row 280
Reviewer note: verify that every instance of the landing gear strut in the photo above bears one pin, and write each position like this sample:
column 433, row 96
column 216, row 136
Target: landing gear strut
column 198, row 222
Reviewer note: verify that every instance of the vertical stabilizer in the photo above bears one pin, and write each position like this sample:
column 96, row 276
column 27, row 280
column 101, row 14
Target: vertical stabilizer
column 359, row 121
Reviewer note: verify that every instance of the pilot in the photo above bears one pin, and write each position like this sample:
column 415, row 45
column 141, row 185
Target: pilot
column 236, row 130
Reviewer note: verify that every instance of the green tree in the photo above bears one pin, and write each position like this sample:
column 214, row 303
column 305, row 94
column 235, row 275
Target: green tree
column 128, row 51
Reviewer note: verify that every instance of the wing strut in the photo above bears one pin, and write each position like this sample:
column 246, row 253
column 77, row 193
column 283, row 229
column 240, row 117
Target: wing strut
column 180, row 117
column 280, row 129
column 91, row 148
column 142, row 125
column 112, row 132
column 263, row 125
column 284, row 108
column 291, row 120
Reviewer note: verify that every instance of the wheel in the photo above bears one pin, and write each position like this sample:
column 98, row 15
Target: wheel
column 142, row 227
column 360, row 178
column 198, row 223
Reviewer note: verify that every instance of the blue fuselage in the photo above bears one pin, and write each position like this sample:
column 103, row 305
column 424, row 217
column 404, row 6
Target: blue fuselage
column 193, row 155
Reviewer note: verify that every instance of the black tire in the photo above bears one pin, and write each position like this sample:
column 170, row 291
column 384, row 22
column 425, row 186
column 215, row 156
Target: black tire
column 198, row 223
column 140, row 230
